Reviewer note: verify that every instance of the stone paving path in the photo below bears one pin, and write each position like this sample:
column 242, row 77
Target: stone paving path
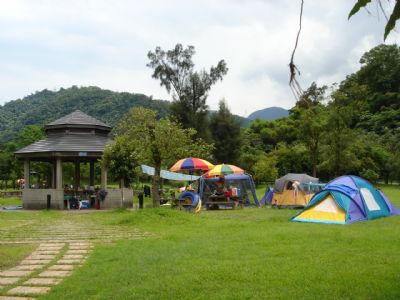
column 44, row 268
column 64, row 244
column 69, row 231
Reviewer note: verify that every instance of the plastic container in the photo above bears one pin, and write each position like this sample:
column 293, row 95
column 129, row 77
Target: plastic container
column 85, row 204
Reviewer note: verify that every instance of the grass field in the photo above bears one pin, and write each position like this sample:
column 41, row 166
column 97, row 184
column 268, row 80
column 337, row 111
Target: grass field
column 11, row 254
column 254, row 253
column 10, row 201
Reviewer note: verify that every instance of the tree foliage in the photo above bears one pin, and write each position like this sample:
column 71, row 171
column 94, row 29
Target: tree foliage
column 10, row 168
column 391, row 21
column 226, row 135
column 46, row 106
column 158, row 143
column 175, row 70
column 352, row 130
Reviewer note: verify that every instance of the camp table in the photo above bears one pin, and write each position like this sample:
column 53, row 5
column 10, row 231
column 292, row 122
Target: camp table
column 233, row 201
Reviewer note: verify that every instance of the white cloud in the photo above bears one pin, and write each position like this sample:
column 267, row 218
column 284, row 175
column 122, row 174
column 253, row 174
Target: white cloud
column 52, row 44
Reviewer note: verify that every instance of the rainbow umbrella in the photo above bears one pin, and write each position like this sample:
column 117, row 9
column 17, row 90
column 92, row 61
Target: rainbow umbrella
column 224, row 169
column 191, row 163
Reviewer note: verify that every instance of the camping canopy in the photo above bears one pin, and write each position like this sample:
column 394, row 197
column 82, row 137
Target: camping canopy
column 344, row 200
column 242, row 181
column 302, row 178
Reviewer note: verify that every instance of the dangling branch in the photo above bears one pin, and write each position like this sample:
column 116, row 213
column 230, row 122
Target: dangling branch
column 293, row 83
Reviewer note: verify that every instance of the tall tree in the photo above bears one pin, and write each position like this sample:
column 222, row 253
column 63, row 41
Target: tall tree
column 175, row 70
column 226, row 135
column 311, row 121
column 156, row 142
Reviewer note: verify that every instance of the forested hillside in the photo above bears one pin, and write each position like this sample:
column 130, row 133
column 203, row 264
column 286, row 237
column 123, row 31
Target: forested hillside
column 46, row 106
column 350, row 128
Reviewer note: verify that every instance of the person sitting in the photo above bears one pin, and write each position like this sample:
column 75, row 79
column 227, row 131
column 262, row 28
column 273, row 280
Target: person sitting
column 220, row 186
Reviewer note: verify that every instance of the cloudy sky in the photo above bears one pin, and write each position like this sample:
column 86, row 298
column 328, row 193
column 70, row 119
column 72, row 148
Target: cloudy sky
column 52, row 44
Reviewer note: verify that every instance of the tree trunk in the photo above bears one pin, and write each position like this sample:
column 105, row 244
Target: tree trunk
column 156, row 185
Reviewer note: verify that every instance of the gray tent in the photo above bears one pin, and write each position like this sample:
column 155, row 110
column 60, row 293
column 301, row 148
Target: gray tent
column 302, row 178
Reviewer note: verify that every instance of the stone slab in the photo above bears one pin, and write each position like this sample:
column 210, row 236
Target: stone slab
column 15, row 298
column 13, row 273
column 8, row 280
column 40, row 256
column 73, row 256
column 35, row 262
column 52, row 245
column 79, row 248
column 80, row 251
column 49, row 248
column 26, row 267
column 57, row 274
column 69, row 261
column 46, row 252
column 29, row 290
column 42, row 281
column 62, row 267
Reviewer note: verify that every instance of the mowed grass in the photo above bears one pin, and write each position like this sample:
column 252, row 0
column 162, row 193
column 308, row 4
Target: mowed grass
column 12, row 254
column 244, row 254
column 10, row 201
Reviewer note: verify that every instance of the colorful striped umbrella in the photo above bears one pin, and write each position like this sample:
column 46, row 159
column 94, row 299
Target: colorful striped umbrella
column 191, row 163
column 224, row 169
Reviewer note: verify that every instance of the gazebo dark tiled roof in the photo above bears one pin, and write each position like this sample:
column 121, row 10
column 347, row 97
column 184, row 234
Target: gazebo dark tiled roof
column 74, row 135
column 68, row 143
column 77, row 119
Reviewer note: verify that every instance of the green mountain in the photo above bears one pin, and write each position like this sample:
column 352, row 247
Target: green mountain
column 46, row 106
column 270, row 113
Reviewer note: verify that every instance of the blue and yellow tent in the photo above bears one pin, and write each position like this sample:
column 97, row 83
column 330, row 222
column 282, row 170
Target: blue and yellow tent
column 344, row 200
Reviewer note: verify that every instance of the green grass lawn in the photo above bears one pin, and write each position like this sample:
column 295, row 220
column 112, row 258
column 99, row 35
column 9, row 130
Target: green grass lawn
column 253, row 253
column 10, row 201
column 12, row 254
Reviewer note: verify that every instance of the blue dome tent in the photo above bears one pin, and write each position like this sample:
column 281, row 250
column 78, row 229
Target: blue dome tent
column 344, row 200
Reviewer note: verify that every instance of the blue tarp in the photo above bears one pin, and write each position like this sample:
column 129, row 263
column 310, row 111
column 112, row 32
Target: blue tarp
column 169, row 175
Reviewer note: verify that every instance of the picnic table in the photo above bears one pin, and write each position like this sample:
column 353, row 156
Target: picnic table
column 233, row 201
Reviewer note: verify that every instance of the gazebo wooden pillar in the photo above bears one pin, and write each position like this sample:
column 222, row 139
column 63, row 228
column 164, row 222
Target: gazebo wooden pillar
column 76, row 138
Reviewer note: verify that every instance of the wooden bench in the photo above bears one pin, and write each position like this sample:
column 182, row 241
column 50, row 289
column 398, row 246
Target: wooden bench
column 234, row 202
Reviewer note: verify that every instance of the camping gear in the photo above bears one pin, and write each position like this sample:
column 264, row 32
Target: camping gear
column 191, row 163
column 224, row 169
column 345, row 200
column 243, row 183
column 188, row 200
column 267, row 198
column 293, row 190
column 85, row 204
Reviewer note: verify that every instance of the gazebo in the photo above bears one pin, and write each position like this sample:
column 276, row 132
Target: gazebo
column 75, row 138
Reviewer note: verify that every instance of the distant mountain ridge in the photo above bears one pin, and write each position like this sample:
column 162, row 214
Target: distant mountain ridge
column 46, row 106
column 270, row 113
